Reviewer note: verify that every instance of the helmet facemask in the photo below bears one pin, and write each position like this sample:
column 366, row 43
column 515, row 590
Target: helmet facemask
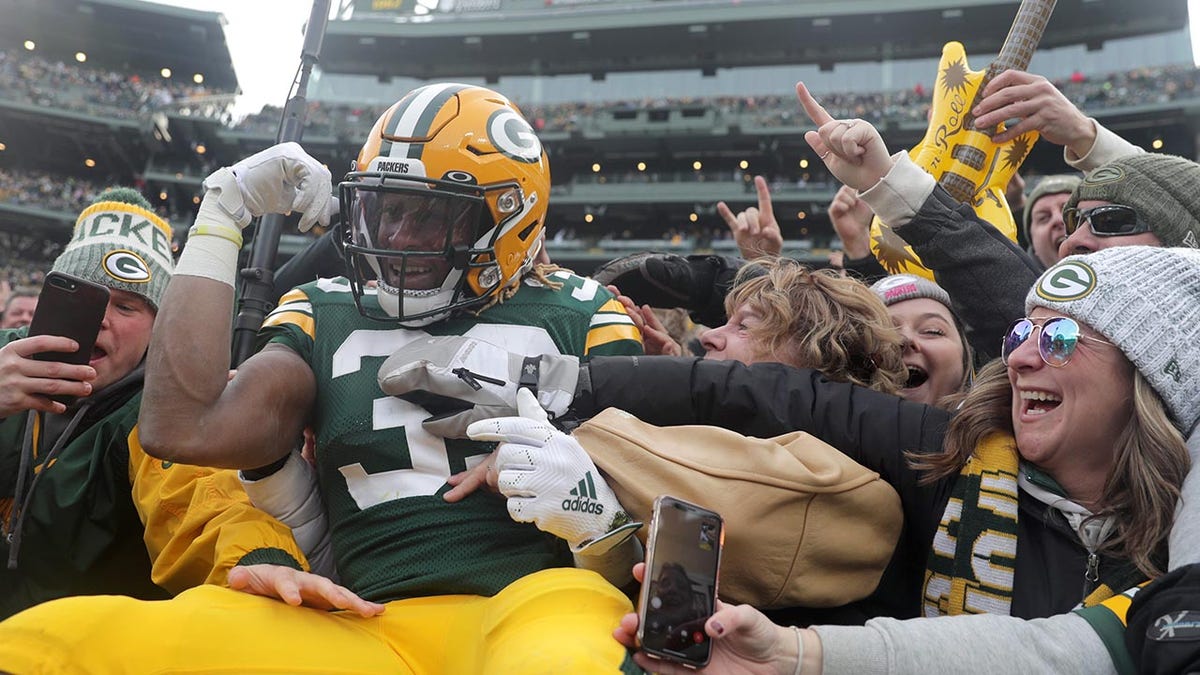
column 423, row 241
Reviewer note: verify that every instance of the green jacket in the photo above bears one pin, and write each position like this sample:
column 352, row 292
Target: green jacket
column 102, row 517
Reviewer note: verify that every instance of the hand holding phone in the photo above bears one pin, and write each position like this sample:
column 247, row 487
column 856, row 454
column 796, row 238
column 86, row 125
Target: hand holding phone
column 679, row 592
column 73, row 308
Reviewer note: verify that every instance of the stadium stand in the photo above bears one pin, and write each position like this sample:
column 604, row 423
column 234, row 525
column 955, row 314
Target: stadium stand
column 638, row 162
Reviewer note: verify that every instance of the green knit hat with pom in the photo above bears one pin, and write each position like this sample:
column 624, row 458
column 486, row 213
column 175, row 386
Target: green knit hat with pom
column 120, row 243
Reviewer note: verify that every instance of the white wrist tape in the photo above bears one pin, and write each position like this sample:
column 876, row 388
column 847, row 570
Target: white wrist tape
column 292, row 497
column 209, row 255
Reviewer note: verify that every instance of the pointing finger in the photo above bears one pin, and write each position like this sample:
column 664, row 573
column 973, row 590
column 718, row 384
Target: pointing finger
column 814, row 110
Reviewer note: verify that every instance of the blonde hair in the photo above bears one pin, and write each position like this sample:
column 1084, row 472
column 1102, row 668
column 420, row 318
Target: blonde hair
column 1149, row 465
column 819, row 320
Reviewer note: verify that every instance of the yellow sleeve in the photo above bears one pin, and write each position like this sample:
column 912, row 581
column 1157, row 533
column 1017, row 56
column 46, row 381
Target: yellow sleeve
column 199, row 522
column 612, row 332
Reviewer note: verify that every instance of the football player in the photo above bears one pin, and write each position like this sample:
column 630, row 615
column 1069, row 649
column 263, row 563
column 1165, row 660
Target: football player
column 443, row 212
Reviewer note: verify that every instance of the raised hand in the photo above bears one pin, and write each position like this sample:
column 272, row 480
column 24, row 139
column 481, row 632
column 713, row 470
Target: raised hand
column 27, row 383
column 549, row 479
column 280, row 179
column 851, row 218
column 755, row 230
column 852, row 150
column 1039, row 105
column 298, row 588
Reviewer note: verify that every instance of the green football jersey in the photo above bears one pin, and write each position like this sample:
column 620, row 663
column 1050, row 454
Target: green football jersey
column 382, row 475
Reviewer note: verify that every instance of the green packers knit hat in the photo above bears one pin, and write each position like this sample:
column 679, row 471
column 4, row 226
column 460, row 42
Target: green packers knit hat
column 1146, row 301
column 1063, row 183
column 120, row 243
column 1161, row 188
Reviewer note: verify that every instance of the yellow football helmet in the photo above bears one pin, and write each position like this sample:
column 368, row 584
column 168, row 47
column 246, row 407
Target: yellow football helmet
column 446, row 203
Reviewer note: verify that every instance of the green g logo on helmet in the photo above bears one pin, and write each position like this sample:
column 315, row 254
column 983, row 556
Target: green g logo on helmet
column 1067, row 281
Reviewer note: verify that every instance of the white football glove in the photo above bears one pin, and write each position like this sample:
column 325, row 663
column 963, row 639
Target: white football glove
column 549, row 480
column 280, row 179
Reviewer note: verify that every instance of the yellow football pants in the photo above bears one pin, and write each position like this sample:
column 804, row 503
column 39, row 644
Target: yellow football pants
column 554, row 621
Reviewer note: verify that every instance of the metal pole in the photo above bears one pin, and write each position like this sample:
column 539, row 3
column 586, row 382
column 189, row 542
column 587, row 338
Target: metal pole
column 257, row 292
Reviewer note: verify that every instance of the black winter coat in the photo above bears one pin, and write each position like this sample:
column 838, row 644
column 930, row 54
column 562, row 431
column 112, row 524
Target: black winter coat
column 875, row 429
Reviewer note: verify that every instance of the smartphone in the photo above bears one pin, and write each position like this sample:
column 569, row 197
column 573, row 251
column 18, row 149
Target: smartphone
column 679, row 593
column 70, row 307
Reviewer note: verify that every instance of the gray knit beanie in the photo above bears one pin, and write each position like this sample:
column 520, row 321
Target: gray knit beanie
column 1161, row 188
column 1062, row 183
column 120, row 243
column 901, row 287
column 1145, row 300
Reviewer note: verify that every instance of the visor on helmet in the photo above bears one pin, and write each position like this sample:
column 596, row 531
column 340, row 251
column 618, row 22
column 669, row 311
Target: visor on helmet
column 417, row 237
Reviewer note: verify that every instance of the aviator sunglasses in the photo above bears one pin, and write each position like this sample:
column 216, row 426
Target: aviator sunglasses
column 1107, row 220
column 1057, row 343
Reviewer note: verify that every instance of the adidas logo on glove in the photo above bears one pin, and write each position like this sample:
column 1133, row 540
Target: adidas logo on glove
column 585, row 495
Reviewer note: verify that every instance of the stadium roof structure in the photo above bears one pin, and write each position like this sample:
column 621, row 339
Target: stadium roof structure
column 62, row 141
column 123, row 35
column 605, row 36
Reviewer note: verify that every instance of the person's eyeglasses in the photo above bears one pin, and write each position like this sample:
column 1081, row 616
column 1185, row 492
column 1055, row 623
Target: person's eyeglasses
column 1057, row 343
column 1107, row 220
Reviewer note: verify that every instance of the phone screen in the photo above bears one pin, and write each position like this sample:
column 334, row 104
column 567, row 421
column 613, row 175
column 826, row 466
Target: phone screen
column 680, row 588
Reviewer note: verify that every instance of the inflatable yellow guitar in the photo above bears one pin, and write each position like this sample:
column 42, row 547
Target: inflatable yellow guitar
column 965, row 161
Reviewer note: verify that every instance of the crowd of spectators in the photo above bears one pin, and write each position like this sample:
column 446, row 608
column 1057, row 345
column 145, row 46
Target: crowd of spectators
column 51, row 192
column 1136, row 87
column 321, row 119
column 1140, row 86
column 64, row 194
column 20, row 272
column 30, row 78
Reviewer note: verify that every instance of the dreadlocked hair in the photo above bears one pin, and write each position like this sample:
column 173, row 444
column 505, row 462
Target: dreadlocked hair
column 540, row 272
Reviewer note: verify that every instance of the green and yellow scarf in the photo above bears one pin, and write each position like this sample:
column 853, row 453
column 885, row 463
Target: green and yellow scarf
column 974, row 554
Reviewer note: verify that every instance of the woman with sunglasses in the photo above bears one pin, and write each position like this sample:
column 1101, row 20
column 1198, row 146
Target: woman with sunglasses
column 1050, row 492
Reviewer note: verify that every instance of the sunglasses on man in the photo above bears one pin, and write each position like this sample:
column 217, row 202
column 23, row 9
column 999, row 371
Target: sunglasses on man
column 1107, row 220
column 1060, row 335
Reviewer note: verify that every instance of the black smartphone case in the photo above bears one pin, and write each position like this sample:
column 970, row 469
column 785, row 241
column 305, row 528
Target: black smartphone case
column 70, row 307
